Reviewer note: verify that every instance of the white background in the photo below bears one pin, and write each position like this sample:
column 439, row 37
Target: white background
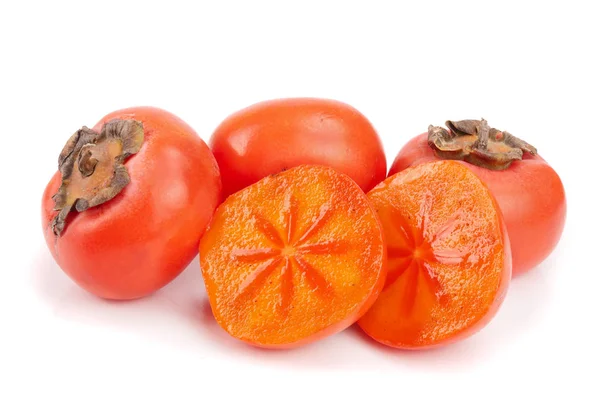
column 530, row 68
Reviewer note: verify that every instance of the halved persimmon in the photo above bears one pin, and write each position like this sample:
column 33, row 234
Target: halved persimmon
column 292, row 258
column 449, row 260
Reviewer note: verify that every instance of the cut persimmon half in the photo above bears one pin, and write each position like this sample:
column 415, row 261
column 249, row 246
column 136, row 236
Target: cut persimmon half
column 292, row 258
column 449, row 260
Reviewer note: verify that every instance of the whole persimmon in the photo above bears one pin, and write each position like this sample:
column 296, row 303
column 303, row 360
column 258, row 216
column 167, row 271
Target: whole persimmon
column 275, row 135
column 124, row 213
column 529, row 191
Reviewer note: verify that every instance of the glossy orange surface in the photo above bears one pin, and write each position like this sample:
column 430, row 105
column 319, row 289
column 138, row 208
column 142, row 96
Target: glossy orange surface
column 293, row 258
column 272, row 136
column 449, row 259
column 139, row 241
column 530, row 194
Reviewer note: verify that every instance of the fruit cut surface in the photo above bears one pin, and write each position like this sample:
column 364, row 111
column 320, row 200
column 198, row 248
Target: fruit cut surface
column 292, row 258
column 448, row 256
column 530, row 193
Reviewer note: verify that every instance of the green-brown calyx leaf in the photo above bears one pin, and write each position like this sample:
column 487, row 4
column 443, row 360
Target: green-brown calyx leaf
column 91, row 166
column 475, row 142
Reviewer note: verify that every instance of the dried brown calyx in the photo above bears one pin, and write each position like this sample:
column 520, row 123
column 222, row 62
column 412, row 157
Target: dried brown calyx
column 475, row 142
column 91, row 165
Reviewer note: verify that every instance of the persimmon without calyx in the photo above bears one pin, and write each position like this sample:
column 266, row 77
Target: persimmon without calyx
column 124, row 214
column 530, row 193
column 449, row 261
column 275, row 135
column 293, row 258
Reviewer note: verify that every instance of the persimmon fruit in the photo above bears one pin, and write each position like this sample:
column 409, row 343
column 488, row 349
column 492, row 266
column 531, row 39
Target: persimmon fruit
column 124, row 214
column 272, row 136
column 529, row 191
column 449, row 262
column 293, row 258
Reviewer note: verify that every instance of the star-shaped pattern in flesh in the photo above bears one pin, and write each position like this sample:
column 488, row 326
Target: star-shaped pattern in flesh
column 416, row 255
column 287, row 254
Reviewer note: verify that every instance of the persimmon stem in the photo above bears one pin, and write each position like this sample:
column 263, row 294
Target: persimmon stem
column 98, row 158
column 483, row 135
column 87, row 164
column 475, row 142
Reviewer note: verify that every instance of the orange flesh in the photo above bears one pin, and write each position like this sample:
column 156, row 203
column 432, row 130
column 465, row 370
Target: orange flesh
column 448, row 256
column 294, row 257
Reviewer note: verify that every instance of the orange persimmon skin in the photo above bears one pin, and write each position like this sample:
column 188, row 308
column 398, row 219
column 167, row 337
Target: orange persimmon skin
column 293, row 258
column 530, row 194
column 139, row 241
column 275, row 135
column 449, row 262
